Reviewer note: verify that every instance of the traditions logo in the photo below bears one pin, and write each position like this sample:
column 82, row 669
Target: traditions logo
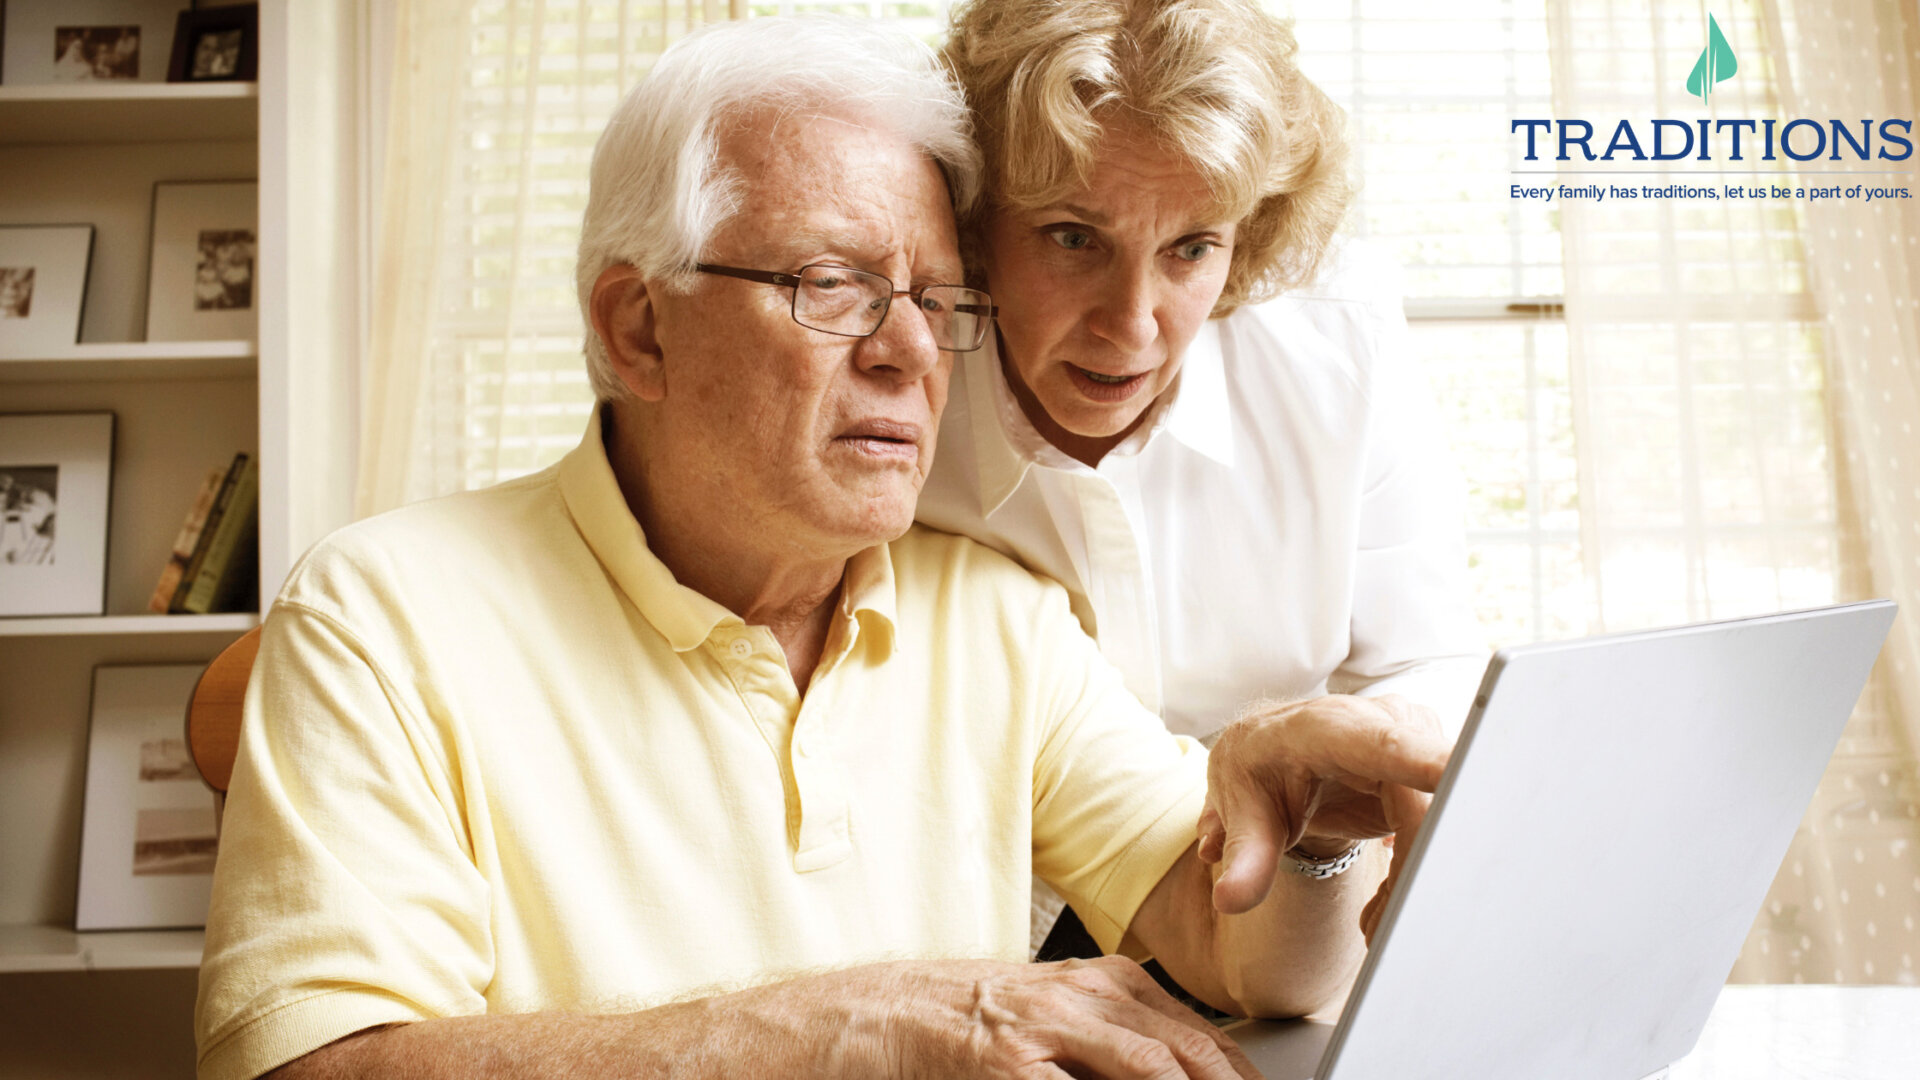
column 1716, row 63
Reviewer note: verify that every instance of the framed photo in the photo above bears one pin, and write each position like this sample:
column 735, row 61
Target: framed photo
column 87, row 41
column 201, row 284
column 149, row 834
column 216, row 45
column 56, row 473
column 43, row 287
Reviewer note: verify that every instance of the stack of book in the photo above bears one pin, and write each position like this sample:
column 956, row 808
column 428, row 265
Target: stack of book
column 215, row 559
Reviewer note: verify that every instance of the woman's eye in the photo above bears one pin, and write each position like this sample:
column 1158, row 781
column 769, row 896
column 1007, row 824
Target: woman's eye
column 1071, row 239
column 1195, row 251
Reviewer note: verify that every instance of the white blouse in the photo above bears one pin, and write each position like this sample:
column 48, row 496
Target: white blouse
column 1286, row 524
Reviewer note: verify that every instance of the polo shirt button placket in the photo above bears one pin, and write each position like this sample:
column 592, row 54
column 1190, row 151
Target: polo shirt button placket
column 741, row 648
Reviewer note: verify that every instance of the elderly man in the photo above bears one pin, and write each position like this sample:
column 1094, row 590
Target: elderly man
column 686, row 756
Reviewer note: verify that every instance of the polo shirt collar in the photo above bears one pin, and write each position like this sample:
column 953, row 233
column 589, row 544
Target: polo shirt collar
column 867, row 596
column 684, row 617
column 1195, row 411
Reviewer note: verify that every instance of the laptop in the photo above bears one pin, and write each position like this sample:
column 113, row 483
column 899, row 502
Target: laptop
column 1603, row 836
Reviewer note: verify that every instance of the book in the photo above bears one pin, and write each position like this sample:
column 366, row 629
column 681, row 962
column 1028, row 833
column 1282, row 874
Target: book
column 178, row 605
column 219, row 581
column 185, row 541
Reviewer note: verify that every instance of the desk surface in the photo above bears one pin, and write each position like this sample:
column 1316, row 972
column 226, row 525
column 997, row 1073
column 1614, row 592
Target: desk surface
column 1794, row 1032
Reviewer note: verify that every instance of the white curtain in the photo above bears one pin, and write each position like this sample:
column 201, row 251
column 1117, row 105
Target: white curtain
column 1860, row 60
column 475, row 370
column 1701, row 369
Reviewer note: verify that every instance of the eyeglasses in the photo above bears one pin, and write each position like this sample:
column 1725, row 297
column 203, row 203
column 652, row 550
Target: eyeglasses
column 853, row 303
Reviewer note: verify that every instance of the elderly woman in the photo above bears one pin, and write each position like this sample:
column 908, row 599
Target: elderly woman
column 1198, row 413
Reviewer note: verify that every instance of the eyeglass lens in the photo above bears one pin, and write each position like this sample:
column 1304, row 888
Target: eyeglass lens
column 840, row 300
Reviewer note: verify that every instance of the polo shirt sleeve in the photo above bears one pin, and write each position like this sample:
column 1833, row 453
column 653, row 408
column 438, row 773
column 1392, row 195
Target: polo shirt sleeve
column 345, row 894
column 1116, row 797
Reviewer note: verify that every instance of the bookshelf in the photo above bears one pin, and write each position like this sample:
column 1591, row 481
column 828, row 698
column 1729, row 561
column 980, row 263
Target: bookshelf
column 123, row 360
column 91, row 153
column 26, row 949
column 128, row 112
column 234, row 623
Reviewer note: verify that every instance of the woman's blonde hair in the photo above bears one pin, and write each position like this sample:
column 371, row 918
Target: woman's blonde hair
column 1214, row 80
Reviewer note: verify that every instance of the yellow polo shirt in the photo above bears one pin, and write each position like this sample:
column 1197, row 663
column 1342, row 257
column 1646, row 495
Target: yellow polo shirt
column 496, row 759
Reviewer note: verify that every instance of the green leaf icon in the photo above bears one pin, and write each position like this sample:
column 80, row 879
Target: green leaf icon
column 1716, row 63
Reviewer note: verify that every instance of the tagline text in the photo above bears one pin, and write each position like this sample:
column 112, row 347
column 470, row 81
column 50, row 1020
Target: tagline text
column 1867, row 193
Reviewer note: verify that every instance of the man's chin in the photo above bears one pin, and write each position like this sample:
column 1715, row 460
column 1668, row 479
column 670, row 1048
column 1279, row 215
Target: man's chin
column 878, row 518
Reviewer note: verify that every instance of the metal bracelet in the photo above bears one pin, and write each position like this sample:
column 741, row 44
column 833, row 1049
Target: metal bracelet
column 1321, row 869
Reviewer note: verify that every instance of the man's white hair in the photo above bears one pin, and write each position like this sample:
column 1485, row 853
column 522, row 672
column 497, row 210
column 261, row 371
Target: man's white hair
column 658, row 191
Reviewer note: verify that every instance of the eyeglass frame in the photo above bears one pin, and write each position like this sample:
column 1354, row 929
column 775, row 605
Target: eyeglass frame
column 794, row 280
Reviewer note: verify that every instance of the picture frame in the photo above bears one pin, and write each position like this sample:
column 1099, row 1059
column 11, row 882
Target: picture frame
column 87, row 41
column 149, row 831
column 56, row 487
column 43, row 288
column 220, row 44
column 201, row 283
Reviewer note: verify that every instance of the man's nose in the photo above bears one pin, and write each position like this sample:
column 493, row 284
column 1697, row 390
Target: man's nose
column 903, row 346
column 1124, row 314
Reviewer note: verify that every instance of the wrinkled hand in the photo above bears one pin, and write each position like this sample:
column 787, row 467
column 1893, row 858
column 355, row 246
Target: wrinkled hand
column 1102, row 1018
column 1329, row 771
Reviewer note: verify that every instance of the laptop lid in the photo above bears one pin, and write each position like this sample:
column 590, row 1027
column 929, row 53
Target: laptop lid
column 1606, row 830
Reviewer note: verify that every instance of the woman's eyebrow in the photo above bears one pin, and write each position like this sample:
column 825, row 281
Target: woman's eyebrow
column 1091, row 217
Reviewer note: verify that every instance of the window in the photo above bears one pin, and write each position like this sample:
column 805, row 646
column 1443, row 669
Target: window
column 1704, row 441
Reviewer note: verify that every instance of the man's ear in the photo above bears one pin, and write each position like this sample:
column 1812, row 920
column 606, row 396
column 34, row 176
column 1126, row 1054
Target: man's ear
column 624, row 318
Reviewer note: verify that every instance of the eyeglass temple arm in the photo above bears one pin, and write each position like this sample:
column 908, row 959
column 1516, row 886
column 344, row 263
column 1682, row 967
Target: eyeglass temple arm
column 765, row 277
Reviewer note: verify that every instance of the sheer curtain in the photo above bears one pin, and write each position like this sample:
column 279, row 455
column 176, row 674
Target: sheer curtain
column 1853, row 61
column 475, row 372
column 1701, row 364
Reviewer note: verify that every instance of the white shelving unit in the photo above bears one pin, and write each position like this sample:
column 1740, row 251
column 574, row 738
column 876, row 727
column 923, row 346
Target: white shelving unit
column 91, row 153
column 50, row 948
column 128, row 112
column 97, row 625
column 121, row 360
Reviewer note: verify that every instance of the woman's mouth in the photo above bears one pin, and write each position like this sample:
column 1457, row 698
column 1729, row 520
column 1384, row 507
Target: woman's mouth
column 1105, row 388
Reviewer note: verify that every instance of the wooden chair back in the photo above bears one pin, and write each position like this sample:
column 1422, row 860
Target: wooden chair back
column 213, row 713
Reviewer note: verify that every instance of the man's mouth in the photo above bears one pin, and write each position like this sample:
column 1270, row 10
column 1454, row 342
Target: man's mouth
column 889, row 439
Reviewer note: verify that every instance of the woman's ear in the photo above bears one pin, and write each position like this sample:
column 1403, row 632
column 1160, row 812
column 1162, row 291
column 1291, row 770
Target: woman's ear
column 624, row 320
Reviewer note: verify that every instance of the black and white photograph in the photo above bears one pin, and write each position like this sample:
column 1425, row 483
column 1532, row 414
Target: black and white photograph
column 174, row 830
column 86, row 41
column 213, row 44
column 96, row 53
column 217, row 54
column 55, row 491
column 223, row 280
column 43, row 287
column 16, row 292
column 29, row 500
column 200, row 284
column 149, row 830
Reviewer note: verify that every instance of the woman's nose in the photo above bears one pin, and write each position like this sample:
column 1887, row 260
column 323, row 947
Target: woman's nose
column 1124, row 314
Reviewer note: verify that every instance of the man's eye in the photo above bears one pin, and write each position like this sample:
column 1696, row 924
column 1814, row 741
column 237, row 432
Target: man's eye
column 825, row 282
column 1071, row 239
column 1195, row 251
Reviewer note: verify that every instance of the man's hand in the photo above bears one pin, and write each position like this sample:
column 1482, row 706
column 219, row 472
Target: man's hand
column 903, row 1020
column 1102, row 1018
column 1329, row 771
